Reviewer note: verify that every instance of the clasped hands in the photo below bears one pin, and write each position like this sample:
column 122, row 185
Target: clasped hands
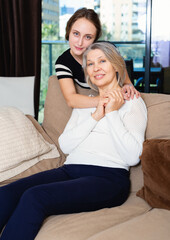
column 108, row 102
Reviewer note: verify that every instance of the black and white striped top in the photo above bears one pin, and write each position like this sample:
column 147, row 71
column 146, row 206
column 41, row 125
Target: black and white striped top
column 67, row 67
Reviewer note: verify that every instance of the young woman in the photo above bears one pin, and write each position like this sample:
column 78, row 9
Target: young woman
column 101, row 143
column 82, row 29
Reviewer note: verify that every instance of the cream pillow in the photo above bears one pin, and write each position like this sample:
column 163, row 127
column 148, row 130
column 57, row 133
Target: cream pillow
column 19, row 140
column 18, row 92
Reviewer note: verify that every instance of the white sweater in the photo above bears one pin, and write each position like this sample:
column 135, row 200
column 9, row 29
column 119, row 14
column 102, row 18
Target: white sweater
column 115, row 141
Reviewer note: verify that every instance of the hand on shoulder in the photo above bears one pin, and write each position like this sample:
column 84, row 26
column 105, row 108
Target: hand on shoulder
column 129, row 91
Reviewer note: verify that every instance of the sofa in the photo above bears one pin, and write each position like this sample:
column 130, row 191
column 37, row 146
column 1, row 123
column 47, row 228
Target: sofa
column 145, row 215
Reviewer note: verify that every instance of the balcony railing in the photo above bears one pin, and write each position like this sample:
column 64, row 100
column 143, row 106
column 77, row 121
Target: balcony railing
column 130, row 49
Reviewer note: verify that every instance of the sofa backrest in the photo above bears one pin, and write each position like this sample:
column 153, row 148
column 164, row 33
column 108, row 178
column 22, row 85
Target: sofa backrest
column 158, row 107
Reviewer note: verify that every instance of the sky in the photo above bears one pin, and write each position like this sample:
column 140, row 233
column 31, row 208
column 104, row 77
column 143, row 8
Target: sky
column 161, row 19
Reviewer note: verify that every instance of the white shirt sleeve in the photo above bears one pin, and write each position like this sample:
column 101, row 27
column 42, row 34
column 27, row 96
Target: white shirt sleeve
column 128, row 132
column 77, row 129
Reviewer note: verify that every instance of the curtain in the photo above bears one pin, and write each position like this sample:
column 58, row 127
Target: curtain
column 20, row 41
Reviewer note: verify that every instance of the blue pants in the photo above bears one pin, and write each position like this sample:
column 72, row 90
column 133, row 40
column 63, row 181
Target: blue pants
column 25, row 204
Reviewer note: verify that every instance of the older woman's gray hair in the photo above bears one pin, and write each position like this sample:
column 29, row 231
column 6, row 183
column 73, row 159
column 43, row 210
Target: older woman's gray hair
column 114, row 57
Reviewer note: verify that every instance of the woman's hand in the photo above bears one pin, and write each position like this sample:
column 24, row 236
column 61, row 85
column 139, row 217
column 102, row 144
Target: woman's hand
column 129, row 91
column 100, row 109
column 115, row 101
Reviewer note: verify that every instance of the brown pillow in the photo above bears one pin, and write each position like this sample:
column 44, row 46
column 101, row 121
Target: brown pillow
column 155, row 160
column 158, row 107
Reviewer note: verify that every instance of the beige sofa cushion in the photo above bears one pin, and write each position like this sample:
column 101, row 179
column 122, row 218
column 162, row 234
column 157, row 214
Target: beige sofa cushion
column 158, row 106
column 83, row 225
column 153, row 225
column 56, row 111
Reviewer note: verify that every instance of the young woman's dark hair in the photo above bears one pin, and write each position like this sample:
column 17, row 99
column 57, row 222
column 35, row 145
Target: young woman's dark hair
column 90, row 15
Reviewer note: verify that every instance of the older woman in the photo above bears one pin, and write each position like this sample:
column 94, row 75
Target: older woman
column 112, row 134
column 101, row 143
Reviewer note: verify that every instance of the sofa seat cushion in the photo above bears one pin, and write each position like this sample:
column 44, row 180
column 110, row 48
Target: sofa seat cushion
column 83, row 225
column 153, row 225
